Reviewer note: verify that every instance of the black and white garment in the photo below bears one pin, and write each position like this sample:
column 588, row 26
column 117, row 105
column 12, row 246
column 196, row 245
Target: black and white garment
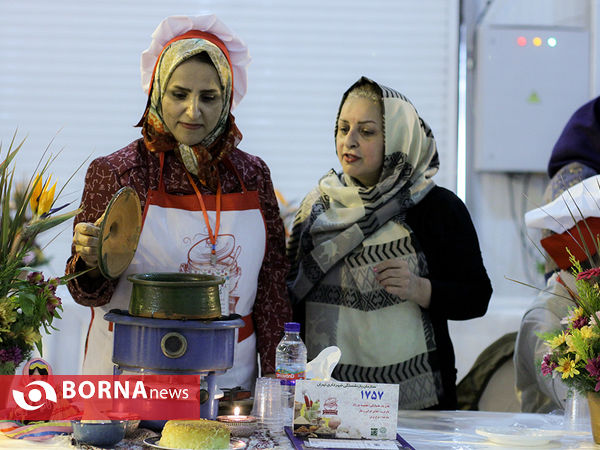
column 342, row 229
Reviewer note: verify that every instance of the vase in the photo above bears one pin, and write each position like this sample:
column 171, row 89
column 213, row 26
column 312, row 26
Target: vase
column 594, row 405
column 577, row 412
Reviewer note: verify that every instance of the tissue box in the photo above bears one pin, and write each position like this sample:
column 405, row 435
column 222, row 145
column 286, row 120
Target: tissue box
column 335, row 409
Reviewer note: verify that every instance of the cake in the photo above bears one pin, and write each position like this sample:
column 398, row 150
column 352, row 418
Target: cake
column 195, row 434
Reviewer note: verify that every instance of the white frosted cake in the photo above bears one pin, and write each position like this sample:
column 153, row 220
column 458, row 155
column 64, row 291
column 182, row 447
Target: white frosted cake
column 195, row 434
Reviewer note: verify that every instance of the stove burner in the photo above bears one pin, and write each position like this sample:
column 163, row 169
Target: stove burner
column 173, row 345
column 163, row 346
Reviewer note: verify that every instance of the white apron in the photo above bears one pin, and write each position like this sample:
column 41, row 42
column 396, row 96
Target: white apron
column 175, row 238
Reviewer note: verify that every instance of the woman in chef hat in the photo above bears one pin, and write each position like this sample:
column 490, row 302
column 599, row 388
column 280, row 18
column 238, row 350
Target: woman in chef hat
column 194, row 185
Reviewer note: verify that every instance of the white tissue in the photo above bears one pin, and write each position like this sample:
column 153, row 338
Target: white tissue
column 321, row 367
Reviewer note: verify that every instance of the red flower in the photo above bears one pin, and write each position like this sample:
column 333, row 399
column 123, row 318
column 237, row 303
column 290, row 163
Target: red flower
column 580, row 323
column 588, row 274
column 593, row 367
column 548, row 365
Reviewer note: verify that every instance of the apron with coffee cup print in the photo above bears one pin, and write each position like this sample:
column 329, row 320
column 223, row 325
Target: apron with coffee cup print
column 175, row 238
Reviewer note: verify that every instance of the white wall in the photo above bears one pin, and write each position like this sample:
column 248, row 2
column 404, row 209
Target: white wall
column 497, row 201
column 70, row 71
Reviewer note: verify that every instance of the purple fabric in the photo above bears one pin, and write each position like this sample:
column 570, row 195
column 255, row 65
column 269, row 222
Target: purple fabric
column 579, row 140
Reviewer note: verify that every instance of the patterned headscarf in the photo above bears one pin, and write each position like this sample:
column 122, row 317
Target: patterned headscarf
column 410, row 149
column 200, row 159
column 341, row 231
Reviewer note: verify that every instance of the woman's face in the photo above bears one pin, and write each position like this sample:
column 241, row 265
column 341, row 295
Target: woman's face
column 193, row 100
column 359, row 139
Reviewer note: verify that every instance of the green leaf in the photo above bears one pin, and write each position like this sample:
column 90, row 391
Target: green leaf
column 7, row 368
column 27, row 303
column 41, row 225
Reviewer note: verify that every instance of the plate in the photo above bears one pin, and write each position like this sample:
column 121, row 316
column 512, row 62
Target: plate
column 153, row 442
column 519, row 436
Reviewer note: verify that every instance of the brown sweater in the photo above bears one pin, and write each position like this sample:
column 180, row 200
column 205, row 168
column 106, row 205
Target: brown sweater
column 136, row 167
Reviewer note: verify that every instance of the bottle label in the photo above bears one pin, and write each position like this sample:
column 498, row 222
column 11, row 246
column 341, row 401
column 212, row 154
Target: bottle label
column 289, row 378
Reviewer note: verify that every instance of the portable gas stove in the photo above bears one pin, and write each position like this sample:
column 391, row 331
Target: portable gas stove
column 144, row 345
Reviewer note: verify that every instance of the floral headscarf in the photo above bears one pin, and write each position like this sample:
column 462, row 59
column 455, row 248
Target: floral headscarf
column 200, row 159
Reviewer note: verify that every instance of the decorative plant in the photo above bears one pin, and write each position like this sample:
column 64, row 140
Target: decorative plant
column 575, row 351
column 28, row 301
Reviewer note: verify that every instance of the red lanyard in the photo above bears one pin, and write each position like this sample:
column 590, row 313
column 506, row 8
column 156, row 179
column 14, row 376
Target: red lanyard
column 212, row 236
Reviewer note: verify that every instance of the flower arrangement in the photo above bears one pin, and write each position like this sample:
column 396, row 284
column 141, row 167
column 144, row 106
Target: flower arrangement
column 28, row 301
column 575, row 351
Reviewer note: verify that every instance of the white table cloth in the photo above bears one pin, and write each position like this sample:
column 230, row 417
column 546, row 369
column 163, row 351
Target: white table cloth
column 435, row 430
column 458, row 429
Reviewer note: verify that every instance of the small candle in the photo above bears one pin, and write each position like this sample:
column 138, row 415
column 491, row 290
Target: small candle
column 239, row 425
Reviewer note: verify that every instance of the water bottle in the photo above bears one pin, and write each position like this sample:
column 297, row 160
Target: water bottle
column 290, row 364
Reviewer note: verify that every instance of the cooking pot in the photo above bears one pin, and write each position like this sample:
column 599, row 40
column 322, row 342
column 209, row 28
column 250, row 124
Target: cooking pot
column 175, row 295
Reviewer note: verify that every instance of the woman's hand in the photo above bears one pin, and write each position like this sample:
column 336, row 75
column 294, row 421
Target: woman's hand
column 395, row 276
column 85, row 239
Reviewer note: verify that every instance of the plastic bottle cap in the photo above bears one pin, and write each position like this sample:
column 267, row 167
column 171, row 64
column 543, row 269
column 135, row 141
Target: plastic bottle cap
column 293, row 327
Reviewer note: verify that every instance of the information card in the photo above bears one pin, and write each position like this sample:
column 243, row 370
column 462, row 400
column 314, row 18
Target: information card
column 335, row 409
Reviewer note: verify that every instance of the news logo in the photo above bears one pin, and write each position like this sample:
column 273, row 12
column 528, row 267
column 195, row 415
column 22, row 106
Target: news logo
column 34, row 395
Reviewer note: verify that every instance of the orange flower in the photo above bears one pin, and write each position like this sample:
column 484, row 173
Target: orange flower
column 46, row 199
column 35, row 193
column 41, row 197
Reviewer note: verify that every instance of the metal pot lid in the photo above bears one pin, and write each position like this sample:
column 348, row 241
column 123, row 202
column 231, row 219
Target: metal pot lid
column 119, row 233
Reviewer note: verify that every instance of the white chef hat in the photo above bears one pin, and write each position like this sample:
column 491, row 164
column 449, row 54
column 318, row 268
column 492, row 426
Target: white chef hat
column 573, row 217
column 174, row 26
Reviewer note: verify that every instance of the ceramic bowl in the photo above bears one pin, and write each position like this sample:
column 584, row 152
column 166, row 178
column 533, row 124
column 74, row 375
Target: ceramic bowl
column 132, row 421
column 99, row 434
column 166, row 295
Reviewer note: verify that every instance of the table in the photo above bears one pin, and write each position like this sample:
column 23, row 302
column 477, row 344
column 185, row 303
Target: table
column 457, row 429
column 426, row 430
column 135, row 441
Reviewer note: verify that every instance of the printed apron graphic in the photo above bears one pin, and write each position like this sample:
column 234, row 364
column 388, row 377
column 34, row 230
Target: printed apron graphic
column 172, row 239
column 225, row 265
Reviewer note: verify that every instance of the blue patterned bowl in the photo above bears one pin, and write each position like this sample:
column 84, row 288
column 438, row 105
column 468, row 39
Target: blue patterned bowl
column 99, row 434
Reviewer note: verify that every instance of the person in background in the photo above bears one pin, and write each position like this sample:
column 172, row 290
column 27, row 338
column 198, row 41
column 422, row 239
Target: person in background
column 381, row 258
column 575, row 157
column 37, row 366
column 204, row 200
